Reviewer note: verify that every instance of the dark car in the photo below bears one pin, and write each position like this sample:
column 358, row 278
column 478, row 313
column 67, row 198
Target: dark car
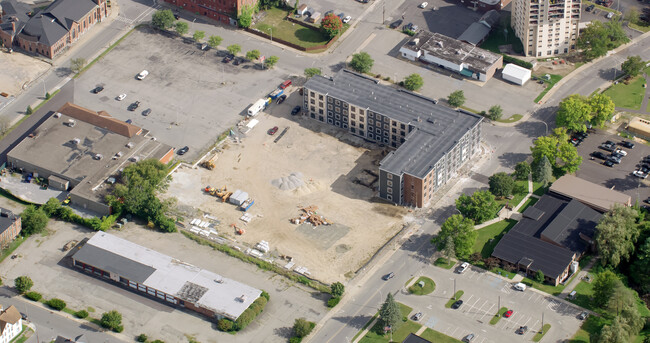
column 411, row 27
column 590, row 8
column 417, row 316
column 396, row 23
column 599, row 155
column 176, row 16
column 97, row 89
column 389, row 276
column 183, row 150
column 582, row 135
column 227, row 59
column 281, row 99
column 236, row 61
column 583, row 315
column 24, row 316
column 647, row 200
column 468, row 338
column 273, row 130
column 296, row 110
column 609, row 163
column 129, row 121
column 627, row 144
column 522, row 330
column 134, row 106
column 146, row 112
column 607, row 147
column 456, row 304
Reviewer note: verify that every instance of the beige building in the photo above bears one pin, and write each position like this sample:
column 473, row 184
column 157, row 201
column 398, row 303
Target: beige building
column 546, row 27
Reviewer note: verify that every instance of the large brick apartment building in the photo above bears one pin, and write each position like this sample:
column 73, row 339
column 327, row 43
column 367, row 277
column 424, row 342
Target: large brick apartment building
column 225, row 11
column 50, row 31
column 432, row 141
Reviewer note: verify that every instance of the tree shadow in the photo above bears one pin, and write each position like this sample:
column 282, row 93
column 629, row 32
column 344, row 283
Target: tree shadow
column 62, row 71
column 356, row 322
column 284, row 332
column 510, row 159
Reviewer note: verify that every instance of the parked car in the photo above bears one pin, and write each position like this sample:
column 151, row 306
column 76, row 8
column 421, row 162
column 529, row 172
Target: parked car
column 640, row 174
column 129, row 121
column 461, row 269
column 341, row 15
column 520, row 286
column 417, row 316
column 97, row 89
column 346, row 19
column 183, row 150
column 609, row 15
column 456, row 304
column 614, row 158
column 389, row 276
column 583, row 315
column 296, row 110
column 134, row 106
column 609, row 163
column 285, row 84
column 607, row 147
column 396, row 23
column 627, row 144
column 424, row 5
column 590, row 8
column 227, row 59
column 142, row 75
column 620, row 152
column 575, row 141
column 647, row 200
column 411, row 27
column 146, row 112
column 24, row 316
column 468, row 338
column 599, row 155
column 522, row 330
column 273, row 130
column 121, row 97
column 281, row 99
column 236, row 61
column 508, row 314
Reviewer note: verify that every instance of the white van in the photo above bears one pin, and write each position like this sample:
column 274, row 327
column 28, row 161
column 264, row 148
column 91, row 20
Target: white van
column 142, row 74
column 256, row 107
column 520, row 286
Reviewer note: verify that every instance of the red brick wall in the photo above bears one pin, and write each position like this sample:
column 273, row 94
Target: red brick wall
column 168, row 156
column 413, row 191
column 213, row 9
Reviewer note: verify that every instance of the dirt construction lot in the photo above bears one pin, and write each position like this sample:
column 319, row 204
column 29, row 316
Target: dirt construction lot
column 327, row 161
column 17, row 69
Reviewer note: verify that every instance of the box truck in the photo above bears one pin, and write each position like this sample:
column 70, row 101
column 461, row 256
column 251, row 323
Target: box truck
column 257, row 107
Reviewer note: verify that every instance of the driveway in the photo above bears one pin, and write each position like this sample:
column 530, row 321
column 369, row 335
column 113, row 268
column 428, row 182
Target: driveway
column 449, row 18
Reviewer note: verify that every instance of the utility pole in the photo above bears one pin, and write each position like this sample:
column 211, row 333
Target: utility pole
column 499, row 306
column 383, row 12
column 542, row 330
column 454, row 288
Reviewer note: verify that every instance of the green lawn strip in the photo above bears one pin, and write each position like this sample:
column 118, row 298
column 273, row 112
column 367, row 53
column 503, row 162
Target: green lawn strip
column 469, row 109
column 438, row 337
column 12, row 247
column 375, row 334
column 429, row 286
column 444, row 263
column 590, row 329
column 530, row 202
column 46, row 100
column 584, row 292
column 513, row 118
column 365, row 326
column 554, row 290
column 502, row 272
column 489, row 236
column 642, row 28
column 274, row 22
column 498, row 316
column 27, row 115
column 549, row 84
column 87, row 66
column 538, row 336
column 454, row 298
column 627, row 96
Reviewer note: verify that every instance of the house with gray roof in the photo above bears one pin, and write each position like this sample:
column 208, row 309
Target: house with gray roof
column 51, row 30
column 476, row 33
column 431, row 141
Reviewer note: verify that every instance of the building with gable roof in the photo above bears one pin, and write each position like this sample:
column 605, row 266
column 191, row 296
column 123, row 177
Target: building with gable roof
column 11, row 323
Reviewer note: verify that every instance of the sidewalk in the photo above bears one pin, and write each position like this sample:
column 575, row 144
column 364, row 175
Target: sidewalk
column 510, row 214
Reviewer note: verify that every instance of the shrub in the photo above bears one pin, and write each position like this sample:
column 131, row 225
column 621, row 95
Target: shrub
column 83, row 314
column 29, row 110
column 337, row 289
column 409, row 32
column 295, row 339
column 303, row 280
column 333, row 301
column 225, row 324
column 250, row 313
column 34, row 296
column 302, row 327
column 112, row 320
column 56, row 304
column 23, row 284
column 142, row 338
column 266, row 295
column 119, row 329
column 521, row 63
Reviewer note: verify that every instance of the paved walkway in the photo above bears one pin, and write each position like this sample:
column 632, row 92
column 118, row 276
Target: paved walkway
column 510, row 214
column 576, row 280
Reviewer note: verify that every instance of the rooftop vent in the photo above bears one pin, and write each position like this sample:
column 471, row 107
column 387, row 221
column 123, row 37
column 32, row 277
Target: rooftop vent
column 482, row 56
column 218, row 280
column 458, row 52
column 440, row 44
column 416, row 41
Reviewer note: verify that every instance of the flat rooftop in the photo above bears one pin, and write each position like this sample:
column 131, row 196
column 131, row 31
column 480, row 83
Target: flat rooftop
column 452, row 50
column 436, row 128
column 593, row 195
column 153, row 269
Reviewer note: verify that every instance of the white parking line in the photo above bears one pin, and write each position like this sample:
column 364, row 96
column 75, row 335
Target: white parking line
column 480, row 311
column 453, row 332
column 471, row 307
column 489, row 311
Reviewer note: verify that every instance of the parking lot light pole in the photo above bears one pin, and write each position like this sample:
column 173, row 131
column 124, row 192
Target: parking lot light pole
column 454, row 288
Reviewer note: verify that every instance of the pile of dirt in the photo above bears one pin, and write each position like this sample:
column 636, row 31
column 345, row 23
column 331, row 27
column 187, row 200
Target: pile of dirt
column 287, row 183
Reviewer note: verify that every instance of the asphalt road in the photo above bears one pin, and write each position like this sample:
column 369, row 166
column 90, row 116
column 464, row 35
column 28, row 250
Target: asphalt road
column 49, row 325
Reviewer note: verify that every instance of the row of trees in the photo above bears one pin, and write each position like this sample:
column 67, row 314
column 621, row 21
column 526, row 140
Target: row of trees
column 576, row 111
column 598, row 38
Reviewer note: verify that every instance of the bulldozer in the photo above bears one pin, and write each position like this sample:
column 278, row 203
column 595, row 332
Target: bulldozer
column 209, row 163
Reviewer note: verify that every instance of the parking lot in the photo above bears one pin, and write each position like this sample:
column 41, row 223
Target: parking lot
column 449, row 17
column 484, row 292
column 350, row 7
column 192, row 94
column 619, row 176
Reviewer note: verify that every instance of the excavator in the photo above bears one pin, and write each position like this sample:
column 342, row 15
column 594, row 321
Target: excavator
column 222, row 193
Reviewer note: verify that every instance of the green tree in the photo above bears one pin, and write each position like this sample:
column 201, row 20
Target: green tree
column 271, row 61
column 309, row 72
column 234, row 49
column 214, row 41
column 225, row 324
column 598, row 38
column 413, row 82
column 449, row 250
column 76, row 64
column 337, row 289
column 602, row 109
column 501, row 184
column 495, row 112
column 616, row 234
column 539, row 276
column 632, row 15
column 253, row 55
column 616, row 332
column 568, row 154
column 29, row 110
column 295, row 7
column 181, row 28
column 390, row 314
column 332, row 25
column 245, row 18
column 33, row 220
column 479, row 207
column 462, row 231
column 633, row 65
column 51, row 206
column 574, row 113
column 543, row 171
column 545, row 146
column 199, row 35
column 162, row 19
column 23, row 284
column 111, row 320
column 522, row 170
column 604, row 286
column 456, row 98
column 302, row 328
column 361, row 62
column 640, row 269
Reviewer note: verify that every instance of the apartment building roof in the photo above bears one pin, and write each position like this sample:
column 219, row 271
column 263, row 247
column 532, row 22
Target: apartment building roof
column 436, row 128
column 452, row 50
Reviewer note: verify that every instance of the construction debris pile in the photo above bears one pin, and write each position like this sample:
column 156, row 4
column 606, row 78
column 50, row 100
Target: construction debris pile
column 287, row 183
column 310, row 215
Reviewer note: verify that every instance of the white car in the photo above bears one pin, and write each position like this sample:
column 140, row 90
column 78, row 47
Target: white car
column 424, row 5
column 462, row 268
column 142, row 75
column 640, row 174
column 620, row 152
column 610, row 15
column 346, row 19
column 121, row 97
column 520, row 286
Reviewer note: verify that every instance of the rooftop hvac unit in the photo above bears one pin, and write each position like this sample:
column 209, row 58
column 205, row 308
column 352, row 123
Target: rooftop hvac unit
column 76, row 141
column 440, row 44
column 57, row 115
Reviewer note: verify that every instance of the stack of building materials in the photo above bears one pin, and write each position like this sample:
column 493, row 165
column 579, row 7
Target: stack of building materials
column 302, row 270
column 254, row 252
column 310, row 214
column 247, row 217
column 263, row 246
column 238, row 198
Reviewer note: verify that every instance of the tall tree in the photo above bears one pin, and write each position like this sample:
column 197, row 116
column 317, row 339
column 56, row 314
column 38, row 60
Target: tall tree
column 390, row 314
column 495, row 112
column 522, row 170
column 456, row 98
column 33, row 220
column 233, row 49
column 633, row 65
column 479, row 207
column 543, row 171
column 463, row 233
column 640, row 269
column 163, row 19
column 181, row 28
column 214, row 41
column 449, row 250
column 23, row 284
column 271, row 61
column 501, row 184
column 332, row 25
column 545, row 146
column 337, row 289
column 604, row 286
column 413, row 82
column 617, row 332
column 568, row 154
column 361, row 62
column 574, row 113
column 602, row 108
column 616, row 234
column 245, row 18
column 198, row 35
column 253, row 55
column 76, row 64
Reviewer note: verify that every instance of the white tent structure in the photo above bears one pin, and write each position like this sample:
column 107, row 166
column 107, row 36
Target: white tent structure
column 516, row 74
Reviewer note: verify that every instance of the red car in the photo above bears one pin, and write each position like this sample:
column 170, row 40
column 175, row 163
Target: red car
column 273, row 130
column 285, row 84
column 508, row 314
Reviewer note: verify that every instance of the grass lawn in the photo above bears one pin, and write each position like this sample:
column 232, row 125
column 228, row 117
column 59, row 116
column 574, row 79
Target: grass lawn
column 444, row 263
column 530, row 202
column 489, row 236
column 584, row 292
column 538, row 336
column 429, row 286
column 627, row 96
column 12, row 246
column 497, row 38
column 454, row 298
column 642, row 28
column 498, row 315
column 538, row 189
column 22, row 336
column 549, row 84
column 374, row 334
column 518, row 197
column 435, row 336
column 513, row 118
column 590, row 328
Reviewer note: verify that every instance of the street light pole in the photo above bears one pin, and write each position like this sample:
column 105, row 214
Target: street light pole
column 546, row 126
column 454, row 288
column 271, row 32
column 193, row 24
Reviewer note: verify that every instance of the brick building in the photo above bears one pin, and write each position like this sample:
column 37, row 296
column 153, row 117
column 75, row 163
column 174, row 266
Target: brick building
column 51, row 30
column 10, row 226
column 432, row 141
column 225, row 11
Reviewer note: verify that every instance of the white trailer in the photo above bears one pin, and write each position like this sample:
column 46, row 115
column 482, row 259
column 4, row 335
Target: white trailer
column 256, row 107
